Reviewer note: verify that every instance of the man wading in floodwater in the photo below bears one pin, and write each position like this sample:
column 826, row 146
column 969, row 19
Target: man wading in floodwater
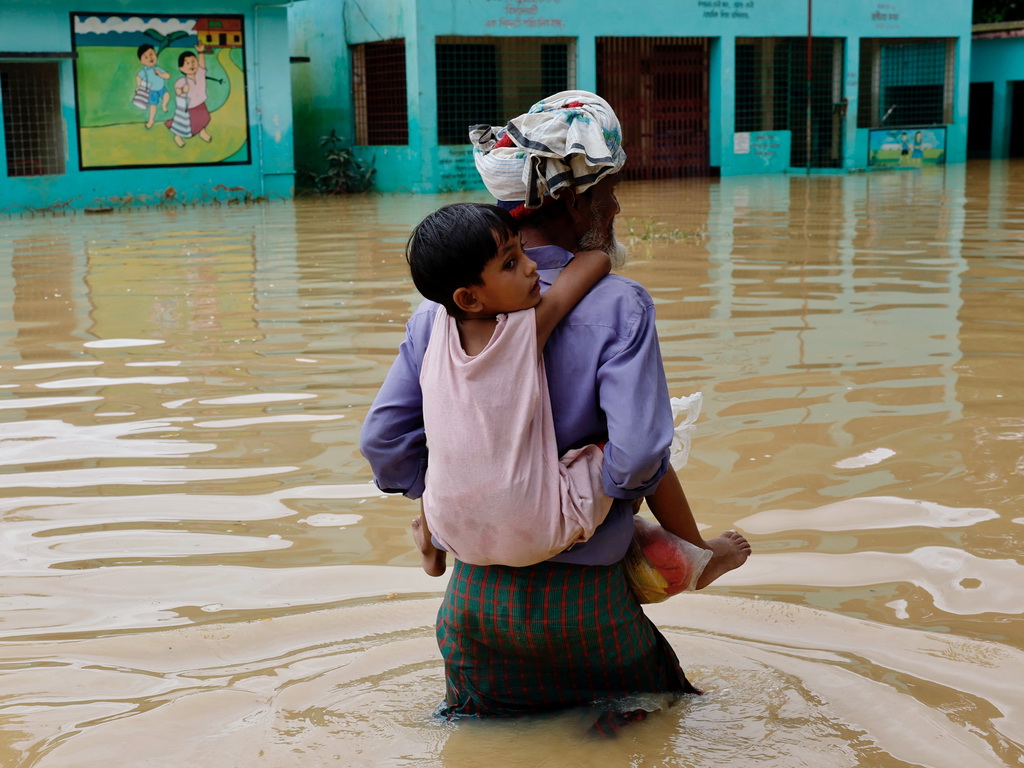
column 568, row 631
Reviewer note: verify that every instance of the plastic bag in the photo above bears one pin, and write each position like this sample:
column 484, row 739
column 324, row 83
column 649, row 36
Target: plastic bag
column 659, row 564
column 689, row 407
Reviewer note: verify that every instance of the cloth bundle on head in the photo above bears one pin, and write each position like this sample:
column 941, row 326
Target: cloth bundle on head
column 571, row 139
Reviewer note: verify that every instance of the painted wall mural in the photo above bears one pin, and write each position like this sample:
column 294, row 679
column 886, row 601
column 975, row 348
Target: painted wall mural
column 903, row 147
column 160, row 90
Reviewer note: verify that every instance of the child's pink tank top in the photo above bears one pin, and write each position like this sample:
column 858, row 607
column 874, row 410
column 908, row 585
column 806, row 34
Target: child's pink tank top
column 496, row 491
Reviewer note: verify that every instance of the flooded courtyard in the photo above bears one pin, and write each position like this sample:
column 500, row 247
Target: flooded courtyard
column 198, row 571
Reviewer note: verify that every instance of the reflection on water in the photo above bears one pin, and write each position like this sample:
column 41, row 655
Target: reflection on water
column 197, row 569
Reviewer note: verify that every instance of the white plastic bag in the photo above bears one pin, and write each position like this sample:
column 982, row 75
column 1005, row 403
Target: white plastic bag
column 689, row 407
column 659, row 564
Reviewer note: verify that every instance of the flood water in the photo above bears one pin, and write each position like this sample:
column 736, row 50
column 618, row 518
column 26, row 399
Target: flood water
column 197, row 570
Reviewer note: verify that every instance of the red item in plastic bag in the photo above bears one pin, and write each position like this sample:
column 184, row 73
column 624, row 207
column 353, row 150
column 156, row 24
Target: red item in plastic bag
column 659, row 564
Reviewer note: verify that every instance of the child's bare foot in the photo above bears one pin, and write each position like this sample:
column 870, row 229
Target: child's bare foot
column 434, row 559
column 730, row 551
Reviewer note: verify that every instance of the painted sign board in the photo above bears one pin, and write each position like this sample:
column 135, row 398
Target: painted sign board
column 160, row 90
column 907, row 147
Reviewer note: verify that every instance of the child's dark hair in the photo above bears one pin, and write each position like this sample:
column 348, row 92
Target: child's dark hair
column 449, row 248
column 142, row 49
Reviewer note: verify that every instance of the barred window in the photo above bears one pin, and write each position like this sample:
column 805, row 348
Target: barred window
column 762, row 84
column 554, row 68
column 905, row 82
column 773, row 94
column 33, row 125
column 379, row 88
column 488, row 79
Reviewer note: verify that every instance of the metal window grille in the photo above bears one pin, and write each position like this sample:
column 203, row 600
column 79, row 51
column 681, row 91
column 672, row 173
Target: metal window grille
column 658, row 87
column 489, row 80
column 33, row 124
column 762, row 91
column 379, row 87
column 905, row 82
column 777, row 91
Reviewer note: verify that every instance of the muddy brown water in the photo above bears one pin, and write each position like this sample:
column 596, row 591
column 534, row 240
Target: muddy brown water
column 196, row 570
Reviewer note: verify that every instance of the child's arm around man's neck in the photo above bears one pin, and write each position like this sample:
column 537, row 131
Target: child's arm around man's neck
column 572, row 284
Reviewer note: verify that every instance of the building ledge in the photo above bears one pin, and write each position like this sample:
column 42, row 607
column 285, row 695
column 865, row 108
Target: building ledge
column 38, row 55
column 997, row 30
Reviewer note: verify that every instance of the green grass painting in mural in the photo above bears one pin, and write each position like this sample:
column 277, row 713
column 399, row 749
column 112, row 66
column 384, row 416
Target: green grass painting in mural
column 106, row 82
column 113, row 132
column 893, row 158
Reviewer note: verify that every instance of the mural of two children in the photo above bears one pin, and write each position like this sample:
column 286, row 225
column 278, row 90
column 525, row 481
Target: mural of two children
column 141, row 53
column 191, row 115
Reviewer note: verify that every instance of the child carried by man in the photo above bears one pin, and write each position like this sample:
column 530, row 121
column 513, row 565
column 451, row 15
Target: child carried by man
column 497, row 492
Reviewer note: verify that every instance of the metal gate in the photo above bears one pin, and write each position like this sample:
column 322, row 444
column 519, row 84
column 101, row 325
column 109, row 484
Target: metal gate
column 816, row 110
column 658, row 87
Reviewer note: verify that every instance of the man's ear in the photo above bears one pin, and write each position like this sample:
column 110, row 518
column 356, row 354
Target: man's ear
column 578, row 206
column 575, row 203
column 465, row 300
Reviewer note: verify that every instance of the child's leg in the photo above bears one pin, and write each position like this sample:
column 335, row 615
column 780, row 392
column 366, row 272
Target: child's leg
column 672, row 510
column 152, row 116
column 434, row 559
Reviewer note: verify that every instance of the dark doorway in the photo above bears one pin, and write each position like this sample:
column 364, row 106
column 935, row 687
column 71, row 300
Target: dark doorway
column 979, row 121
column 1016, row 126
column 658, row 87
column 822, row 93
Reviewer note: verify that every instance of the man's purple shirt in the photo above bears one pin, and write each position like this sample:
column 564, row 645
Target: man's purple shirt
column 607, row 384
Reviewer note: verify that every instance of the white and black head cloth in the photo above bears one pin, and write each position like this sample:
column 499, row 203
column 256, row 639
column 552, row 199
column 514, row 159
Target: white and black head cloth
column 571, row 139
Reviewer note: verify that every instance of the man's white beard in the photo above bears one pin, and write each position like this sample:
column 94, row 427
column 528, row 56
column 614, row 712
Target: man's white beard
column 593, row 240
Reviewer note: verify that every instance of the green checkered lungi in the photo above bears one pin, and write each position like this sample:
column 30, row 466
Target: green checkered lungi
column 519, row 641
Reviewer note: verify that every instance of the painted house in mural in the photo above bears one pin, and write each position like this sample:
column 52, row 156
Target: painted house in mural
column 105, row 106
column 220, row 32
column 997, row 91
column 703, row 87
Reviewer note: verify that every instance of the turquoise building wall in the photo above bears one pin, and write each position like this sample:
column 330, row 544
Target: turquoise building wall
column 425, row 166
column 999, row 61
column 320, row 78
column 30, row 30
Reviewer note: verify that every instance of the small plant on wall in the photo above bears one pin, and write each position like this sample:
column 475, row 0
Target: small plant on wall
column 344, row 172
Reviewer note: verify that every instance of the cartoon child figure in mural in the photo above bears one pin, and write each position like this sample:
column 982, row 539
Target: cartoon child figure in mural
column 150, row 88
column 917, row 150
column 191, row 115
column 904, row 149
